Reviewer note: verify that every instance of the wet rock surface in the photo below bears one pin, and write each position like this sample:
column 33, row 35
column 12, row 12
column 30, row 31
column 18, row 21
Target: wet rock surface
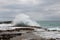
column 30, row 33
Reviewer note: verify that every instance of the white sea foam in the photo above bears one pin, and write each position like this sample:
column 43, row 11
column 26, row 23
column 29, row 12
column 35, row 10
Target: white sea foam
column 24, row 19
column 5, row 26
column 54, row 28
column 19, row 19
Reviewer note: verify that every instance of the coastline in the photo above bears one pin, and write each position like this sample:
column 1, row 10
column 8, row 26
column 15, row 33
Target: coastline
column 31, row 33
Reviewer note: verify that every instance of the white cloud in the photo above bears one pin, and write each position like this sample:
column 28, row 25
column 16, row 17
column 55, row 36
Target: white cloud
column 37, row 9
column 29, row 1
column 32, row 2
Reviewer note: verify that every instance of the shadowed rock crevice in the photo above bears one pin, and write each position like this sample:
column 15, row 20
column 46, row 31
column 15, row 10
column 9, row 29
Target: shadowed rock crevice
column 5, row 22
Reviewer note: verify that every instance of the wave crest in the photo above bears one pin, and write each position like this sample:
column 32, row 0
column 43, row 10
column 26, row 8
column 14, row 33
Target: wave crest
column 23, row 19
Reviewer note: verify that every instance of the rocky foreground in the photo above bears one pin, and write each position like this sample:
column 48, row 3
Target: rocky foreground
column 29, row 33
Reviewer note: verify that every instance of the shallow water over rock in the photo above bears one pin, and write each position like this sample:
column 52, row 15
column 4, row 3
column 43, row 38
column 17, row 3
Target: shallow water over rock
column 31, row 33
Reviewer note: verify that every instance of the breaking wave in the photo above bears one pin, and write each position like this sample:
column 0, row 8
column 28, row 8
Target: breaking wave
column 23, row 19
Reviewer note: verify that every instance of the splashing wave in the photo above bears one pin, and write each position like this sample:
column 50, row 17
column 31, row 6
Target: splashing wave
column 25, row 20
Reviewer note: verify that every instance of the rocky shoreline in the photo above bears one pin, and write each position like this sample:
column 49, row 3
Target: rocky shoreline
column 29, row 33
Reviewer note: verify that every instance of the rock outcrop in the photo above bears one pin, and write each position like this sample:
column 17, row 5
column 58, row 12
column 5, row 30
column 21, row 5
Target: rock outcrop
column 29, row 33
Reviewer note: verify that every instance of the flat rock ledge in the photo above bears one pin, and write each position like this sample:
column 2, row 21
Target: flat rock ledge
column 29, row 33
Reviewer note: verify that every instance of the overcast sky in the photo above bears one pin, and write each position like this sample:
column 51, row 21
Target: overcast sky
column 36, row 9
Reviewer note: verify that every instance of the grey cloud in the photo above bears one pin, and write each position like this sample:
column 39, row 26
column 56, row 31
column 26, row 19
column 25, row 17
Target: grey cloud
column 41, row 11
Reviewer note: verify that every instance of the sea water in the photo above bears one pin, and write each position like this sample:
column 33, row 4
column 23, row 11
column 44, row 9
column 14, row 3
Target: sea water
column 26, row 20
column 51, row 25
column 21, row 20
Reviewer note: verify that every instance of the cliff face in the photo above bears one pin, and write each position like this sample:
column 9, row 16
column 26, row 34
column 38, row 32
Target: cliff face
column 29, row 33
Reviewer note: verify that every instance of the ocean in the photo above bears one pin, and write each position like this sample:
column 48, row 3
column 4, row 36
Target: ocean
column 25, row 20
column 49, row 24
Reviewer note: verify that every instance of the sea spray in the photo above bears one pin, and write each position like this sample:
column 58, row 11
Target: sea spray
column 5, row 26
column 25, row 20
